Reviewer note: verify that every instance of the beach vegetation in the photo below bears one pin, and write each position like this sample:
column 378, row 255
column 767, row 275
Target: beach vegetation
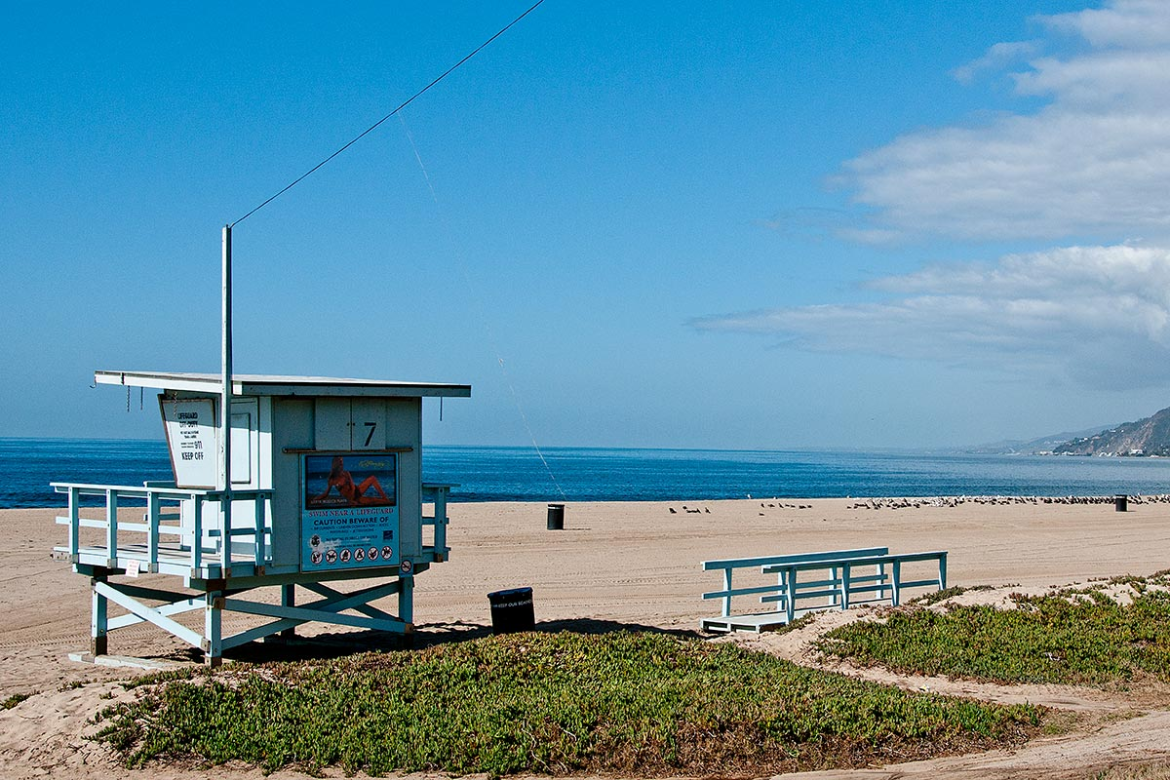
column 1155, row 770
column 621, row 703
column 934, row 597
column 1079, row 637
column 15, row 699
column 797, row 624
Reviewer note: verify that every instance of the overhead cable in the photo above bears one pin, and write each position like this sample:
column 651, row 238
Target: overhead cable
column 404, row 104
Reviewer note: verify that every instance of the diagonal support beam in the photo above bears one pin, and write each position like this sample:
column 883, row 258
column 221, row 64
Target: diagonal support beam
column 305, row 615
column 321, row 611
column 331, row 595
column 259, row 632
column 176, row 608
column 149, row 614
column 338, row 602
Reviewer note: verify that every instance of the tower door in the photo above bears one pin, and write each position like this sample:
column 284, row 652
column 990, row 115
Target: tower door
column 349, row 424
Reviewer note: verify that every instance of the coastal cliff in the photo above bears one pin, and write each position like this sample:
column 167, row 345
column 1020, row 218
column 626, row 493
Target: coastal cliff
column 1148, row 436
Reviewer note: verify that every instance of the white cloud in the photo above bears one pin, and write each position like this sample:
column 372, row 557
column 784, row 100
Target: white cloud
column 998, row 56
column 1093, row 162
column 1100, row 315
column 1127, row 23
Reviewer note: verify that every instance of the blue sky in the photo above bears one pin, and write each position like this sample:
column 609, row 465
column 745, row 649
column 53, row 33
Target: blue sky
column 741, row 225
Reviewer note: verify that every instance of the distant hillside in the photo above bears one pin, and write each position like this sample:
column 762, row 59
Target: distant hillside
column 1149, row 436
column 1044, row 444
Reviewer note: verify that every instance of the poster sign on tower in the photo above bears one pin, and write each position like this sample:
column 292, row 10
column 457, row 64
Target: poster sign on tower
column 349, row 511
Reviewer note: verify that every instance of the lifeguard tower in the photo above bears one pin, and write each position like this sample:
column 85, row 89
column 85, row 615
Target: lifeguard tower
column 325, row 485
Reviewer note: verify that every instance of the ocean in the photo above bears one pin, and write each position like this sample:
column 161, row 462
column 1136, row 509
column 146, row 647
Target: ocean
column 28, row 466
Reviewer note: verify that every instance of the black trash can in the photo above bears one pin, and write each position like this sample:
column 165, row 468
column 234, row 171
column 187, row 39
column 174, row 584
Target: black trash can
column 512, row 611
column 556, row 517
column 1121, row 502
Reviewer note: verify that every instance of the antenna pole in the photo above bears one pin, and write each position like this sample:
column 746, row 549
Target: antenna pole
column 225, row 406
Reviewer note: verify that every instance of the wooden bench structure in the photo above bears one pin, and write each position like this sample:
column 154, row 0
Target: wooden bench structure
column 832, row 580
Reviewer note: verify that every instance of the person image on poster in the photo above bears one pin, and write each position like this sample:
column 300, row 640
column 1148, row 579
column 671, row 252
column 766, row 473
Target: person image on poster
column 350, row 504
column 352, row 492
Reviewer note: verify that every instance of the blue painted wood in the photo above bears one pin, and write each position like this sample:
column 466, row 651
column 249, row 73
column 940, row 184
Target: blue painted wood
column 212, row 640
column 154, row 506
column 306, row 615
column 840, row 587
column 74, row 521
column 406, row 599
column 189, row 605
column 726, row 594
column 99, row 616
column 112, row 528
column 775, row 564
column 781, row 560
column 437, row 495
column 830, row 587
column 790, row 575
column 896, row 597
column 161, row 501
column 148, row 613
column 209, row 561
column 259, row 540
column 931, row 583
column 370, row 594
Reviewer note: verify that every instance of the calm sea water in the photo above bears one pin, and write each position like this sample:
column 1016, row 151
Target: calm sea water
column 27, row 466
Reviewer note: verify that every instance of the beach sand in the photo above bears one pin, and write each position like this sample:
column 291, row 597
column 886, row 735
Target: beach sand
column 614, row 564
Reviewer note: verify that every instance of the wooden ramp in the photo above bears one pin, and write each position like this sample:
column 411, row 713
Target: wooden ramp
column 758, row 623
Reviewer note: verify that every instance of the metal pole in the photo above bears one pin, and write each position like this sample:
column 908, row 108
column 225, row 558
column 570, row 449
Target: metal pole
column 225, row 406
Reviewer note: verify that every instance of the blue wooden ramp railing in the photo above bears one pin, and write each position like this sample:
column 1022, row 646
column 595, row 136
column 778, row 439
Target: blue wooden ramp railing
column 808, row 582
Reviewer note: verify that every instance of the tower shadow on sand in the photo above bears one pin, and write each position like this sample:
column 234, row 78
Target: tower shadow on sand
column 338, row 645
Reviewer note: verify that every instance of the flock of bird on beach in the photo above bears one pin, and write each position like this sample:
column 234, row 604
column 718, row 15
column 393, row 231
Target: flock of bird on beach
column 954, row 501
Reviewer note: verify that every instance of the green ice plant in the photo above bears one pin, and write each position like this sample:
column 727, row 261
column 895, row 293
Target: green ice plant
column 1072, row 637
column 647, row 703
